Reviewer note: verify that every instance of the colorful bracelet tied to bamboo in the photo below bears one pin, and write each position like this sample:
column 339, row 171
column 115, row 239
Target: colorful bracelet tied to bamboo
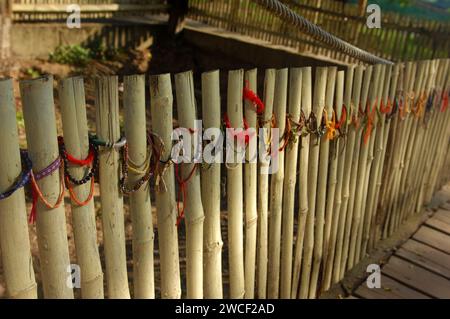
column 146, row 169
column 70, row 160
column 23, row 178
column 57, row 164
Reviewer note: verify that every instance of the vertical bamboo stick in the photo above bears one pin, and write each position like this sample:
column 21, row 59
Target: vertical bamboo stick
column 107, row 118
column 318, row 106
column 234, row 192
column 192, row 205
column 306, row 106
column 73, row 111
column 370, row 183
column 334, row 189
column 140, row 203
column 322, row 185
column 250, row 183
column 295, row 91
column 161, row 113
column 276, row 188
column 210, row 185
column 384, row 162
column 14, row 241
column 350, row 154
column 263, row 188
column 373, row 179
column 40, row 123
column 357, row 164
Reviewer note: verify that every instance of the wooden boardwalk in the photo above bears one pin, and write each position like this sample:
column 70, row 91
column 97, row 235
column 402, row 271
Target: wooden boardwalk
column 420, row 268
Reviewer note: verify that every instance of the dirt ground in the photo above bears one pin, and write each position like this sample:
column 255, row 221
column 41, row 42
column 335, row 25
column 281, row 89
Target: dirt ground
column 168, row 56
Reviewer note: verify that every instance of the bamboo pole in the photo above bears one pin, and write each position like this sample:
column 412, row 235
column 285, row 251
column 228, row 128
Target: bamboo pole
column 402, row 132
column 384, row 165
column 263, row 188
column 363, row 170
column 75, row 129
column 334, row 189
column 295, row 90
column 306, row 106
column 14, row 241
column 318, row 106
column 107, row 122
column 40, row 123
column 140, row 202
column 276, row 189
column 416, row 135
column 358, row 166
column 250, row 199
column 161, row 114
column 184, row 84
column 377, row 162
column 376, row 135
column 235, row 191
column 210, row 187
column 322, row 186
column 350, row 156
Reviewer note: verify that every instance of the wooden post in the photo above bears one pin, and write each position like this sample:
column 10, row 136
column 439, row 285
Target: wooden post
column 140, row 203
column 14, row 241
column 303, row 209
column 40, row 123
column 108, row 130
column 73, row 111
column 263, row 188
column 210, row 179
column 295, row 91
column 276, row 188
column 161, row 114
column 318, row 106
column 184, row 84
column 250, row 184
column 234, row 192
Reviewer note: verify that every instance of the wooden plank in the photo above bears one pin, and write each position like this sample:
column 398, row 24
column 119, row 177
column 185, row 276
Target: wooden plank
column 439, row 225
column 443, row 216
column 85, row 8
column 390, row 289
column 417, row 278
column 426, row 257
column 433, row 238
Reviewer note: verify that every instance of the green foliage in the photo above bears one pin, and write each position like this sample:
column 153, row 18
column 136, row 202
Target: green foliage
column 71, row 54
column 33, row 73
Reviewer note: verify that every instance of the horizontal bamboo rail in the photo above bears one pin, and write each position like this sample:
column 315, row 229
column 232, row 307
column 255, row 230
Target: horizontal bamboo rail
column 366, row 147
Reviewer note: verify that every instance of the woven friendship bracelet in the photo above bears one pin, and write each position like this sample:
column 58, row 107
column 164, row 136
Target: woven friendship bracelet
column 23, row 178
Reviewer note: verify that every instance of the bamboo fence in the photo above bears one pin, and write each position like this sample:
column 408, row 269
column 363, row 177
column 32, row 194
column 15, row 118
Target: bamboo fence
column 360, row 151
column 400, row 38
